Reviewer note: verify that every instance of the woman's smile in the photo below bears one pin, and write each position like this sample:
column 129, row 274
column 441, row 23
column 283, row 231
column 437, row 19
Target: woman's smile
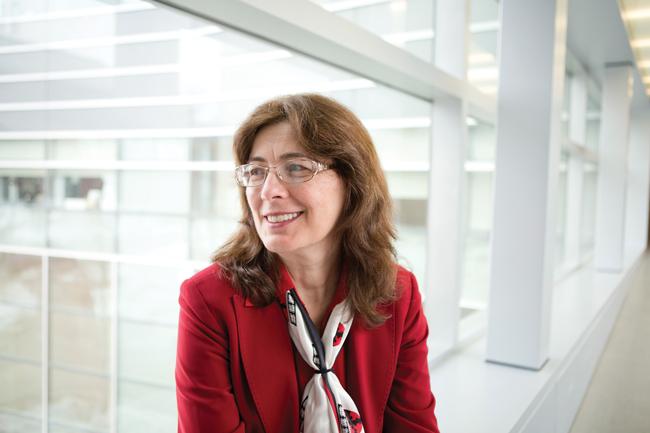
column 277, row 220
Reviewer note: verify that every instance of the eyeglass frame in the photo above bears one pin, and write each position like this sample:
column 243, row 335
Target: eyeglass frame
column 320, row 167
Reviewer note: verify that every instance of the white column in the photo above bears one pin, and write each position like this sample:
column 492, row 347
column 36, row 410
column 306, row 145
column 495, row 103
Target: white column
column 612, row 168
column 577, row 133
column 638, row 185
column 533, row 47
column 447, row 181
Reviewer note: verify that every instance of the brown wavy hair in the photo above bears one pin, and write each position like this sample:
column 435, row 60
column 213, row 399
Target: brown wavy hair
column 328, row 131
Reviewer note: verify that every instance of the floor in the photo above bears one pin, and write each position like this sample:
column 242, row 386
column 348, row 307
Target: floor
column 618, row 398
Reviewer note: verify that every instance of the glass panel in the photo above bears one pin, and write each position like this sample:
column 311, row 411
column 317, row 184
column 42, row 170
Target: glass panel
column 212, row 149
column 215, row 201
column 169, row 149
column 483, row 64
column 78, row 400
column 560, row 224
column 89, row 231
column 83, row 190
column 482, row 140
column 588, row 211
column 80, row 286
column 148, row 293
column 20, row 388
column 22, row 207
column 407, row 24
column 22, row 149
column 80, row 341
column 409, row 191
column 143, row 408
column 144, row 191
column 79, row 308
column 92, row 149
column 21, row 279
column 18, row 424
column 137, row 342
column 566, row 105
column 593, row 122
column 475, row 271
column 20, row 332
column 134, row 240
column 20, row 300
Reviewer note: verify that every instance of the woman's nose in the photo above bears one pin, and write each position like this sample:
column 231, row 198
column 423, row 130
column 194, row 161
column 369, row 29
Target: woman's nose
column 273, row 187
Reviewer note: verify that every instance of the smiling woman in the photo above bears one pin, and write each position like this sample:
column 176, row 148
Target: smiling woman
column 305, row 297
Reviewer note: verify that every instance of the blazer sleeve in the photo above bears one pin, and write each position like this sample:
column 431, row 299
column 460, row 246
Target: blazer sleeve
column 411, row 404
column 203, row 387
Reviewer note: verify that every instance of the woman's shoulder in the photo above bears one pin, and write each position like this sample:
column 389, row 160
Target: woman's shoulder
column 406, row 287
column 210, row 284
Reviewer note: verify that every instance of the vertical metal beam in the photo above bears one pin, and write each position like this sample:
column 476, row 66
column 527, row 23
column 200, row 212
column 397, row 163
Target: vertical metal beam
column 45, row 341
column 638, row 186
column 614, row 134
column 577, row 134
column 447, row 181
column 528, row 145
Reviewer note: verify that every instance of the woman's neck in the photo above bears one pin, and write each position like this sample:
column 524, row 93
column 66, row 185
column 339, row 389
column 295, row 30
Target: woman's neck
column 315, row 276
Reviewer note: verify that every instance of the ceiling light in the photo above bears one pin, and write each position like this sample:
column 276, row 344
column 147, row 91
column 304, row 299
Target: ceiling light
column 483, row 74
column 481, row 59
column 637, row 14
column 640, row 43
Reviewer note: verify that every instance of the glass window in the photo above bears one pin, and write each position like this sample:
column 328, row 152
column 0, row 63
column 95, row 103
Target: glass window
column 19, row 424
column 80, row 315
column 20, row 343
column 20, row 388
column 475, row 267
column 483, row 64
column 566, row 105
column 78, row 401
column 593, row 122
column 26, row 149
column 407, row 24
column 588, row 209
column 141, row 110
column 22, row 207
column 149, row 293
column 160, row 192
column 561, row 221
column 143, row 408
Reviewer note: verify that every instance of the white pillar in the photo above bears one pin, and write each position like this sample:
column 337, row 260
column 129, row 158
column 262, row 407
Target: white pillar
column 638, row 185
column 577, row 134
column 612, row 168
column 528, row 146
column 447, row 181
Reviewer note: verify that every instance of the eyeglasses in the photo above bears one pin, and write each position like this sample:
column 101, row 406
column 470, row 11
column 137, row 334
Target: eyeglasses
column 295, row 170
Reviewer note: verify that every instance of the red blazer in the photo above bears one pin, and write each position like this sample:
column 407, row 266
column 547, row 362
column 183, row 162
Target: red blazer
column 235, row 367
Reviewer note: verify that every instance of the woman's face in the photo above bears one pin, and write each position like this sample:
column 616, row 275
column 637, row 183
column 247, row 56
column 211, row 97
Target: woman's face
column 314, row 206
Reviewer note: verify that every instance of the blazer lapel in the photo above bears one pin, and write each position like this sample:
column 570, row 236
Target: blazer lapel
column 269, row 365
column 370, row 363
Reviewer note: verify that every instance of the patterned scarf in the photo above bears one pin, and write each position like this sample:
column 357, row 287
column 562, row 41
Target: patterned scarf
column 325, row 406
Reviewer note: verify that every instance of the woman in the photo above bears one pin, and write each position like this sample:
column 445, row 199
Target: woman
column 304, row 322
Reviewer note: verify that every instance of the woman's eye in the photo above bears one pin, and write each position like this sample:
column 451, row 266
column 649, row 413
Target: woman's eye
column 256, row 171
column 295, row 168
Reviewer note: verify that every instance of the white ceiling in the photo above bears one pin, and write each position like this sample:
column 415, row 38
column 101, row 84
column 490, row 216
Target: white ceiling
column 597, row 36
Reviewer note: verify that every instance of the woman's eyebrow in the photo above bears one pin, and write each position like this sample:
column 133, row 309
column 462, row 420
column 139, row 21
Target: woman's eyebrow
column 284, row 156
